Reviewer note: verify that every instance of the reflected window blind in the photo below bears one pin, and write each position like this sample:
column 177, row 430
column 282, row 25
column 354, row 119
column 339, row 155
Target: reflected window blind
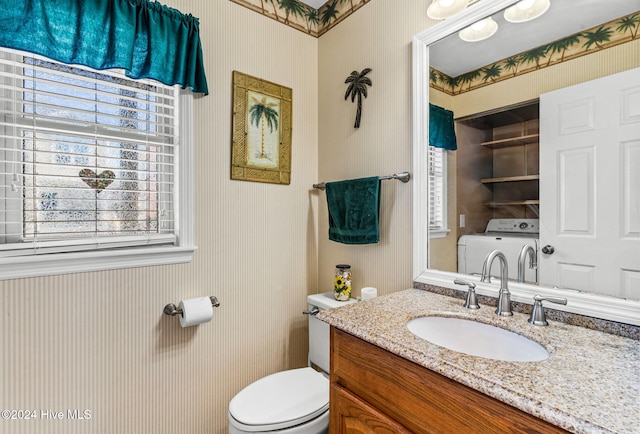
column 87, row 158
column 437, row 194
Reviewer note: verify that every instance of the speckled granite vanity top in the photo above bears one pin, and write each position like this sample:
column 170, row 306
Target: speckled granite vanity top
column 589, row 384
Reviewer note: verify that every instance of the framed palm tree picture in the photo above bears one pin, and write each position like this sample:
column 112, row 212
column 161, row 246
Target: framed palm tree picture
column 261, row 144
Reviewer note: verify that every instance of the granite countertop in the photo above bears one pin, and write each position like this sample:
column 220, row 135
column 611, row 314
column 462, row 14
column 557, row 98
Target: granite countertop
column 589, row 384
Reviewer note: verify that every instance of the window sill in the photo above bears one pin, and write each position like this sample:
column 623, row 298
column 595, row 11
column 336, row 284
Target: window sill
column 440, row 233
column 81, row 262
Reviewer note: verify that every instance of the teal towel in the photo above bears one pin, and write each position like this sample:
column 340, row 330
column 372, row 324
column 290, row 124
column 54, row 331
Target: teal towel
column 354, row 207
column 442, row 131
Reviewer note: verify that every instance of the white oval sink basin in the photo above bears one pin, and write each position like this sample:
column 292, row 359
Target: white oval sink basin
column 477, row 339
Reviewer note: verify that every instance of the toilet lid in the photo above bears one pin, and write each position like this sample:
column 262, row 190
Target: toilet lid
column 282, row 399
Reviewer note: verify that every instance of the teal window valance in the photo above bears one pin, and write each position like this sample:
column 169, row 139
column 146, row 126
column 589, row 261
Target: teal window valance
column 442, row 132
column 145, row 38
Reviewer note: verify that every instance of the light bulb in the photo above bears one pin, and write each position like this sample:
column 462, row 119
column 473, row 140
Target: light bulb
column 526, row 10
column 525, row 4
column 479, row 25
column 442, row 9
column 479, row 30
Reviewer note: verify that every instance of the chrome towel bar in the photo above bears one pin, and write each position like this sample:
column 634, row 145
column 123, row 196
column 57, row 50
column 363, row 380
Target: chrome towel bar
column 403, row 177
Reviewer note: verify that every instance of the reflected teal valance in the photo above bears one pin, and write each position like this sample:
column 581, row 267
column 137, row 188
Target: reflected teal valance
column 145, row 38
column 442, row 132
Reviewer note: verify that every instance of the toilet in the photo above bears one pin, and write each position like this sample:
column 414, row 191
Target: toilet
column 293, row 401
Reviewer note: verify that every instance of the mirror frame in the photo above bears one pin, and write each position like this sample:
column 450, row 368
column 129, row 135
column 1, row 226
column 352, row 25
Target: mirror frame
column 589, row 304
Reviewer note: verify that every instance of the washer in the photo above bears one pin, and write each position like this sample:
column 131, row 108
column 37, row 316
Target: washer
column 507, row 235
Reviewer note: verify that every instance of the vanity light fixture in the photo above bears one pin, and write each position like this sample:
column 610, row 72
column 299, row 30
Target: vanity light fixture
column 443, row 9
column 526, row 10
column 479, row 31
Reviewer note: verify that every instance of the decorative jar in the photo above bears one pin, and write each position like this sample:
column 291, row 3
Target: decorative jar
column 342, row 282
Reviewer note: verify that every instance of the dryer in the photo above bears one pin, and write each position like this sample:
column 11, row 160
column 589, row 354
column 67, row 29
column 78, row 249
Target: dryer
column 507, row 235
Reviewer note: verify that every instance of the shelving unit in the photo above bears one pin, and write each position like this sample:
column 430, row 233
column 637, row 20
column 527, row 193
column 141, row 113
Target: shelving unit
column 513, row 203
column 514, row 146
column 498, row 174
column 512, row 141
column 510, row 179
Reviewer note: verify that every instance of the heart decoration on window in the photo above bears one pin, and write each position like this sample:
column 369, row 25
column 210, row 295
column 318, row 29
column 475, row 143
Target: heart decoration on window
column 97, row 181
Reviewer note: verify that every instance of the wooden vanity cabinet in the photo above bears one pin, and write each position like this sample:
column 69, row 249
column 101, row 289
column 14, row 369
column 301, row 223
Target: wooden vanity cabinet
column 375, row 391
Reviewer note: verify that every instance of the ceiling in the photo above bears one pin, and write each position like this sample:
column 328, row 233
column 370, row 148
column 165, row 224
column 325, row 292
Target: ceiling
column 314, row 3
column 564, row 18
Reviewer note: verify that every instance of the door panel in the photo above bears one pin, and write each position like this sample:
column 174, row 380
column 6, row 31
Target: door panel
column 631, row 198
column 576, row 176
column 590, row 186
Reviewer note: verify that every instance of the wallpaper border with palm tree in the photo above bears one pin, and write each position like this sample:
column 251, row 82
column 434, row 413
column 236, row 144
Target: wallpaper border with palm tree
column 607, row 35
column 261, row 142
column 302, row 17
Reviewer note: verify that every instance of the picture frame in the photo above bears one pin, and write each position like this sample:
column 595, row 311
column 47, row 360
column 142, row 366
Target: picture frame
column 261, row 143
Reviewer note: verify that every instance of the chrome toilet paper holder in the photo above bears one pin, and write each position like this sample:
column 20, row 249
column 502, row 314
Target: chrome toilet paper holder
column 173, row 310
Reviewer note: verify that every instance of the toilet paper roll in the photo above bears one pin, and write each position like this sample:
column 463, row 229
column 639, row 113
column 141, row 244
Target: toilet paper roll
column 195, row 311
column 368, row 292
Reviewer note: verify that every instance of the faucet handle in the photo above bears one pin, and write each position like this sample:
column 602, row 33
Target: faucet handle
column 472, row 298
column 537, row 312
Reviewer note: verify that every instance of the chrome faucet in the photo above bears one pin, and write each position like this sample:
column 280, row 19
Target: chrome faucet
column 484, row 276
column 522, row 257
column 537, row 311
column 504, row 296
column 472, row 298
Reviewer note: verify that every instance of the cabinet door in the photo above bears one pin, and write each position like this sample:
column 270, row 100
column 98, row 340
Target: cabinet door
column 351, row 415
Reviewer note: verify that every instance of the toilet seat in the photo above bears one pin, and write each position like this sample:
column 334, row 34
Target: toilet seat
column 281, row 400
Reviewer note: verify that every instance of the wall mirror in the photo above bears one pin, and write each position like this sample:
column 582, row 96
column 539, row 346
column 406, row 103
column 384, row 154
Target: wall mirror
column 483, row 111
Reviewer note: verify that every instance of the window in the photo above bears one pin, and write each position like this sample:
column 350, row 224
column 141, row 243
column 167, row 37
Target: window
column 91, row 167
column 437, row 167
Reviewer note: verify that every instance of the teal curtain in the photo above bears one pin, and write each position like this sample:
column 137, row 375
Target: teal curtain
column 145, row 38
column 442, row 132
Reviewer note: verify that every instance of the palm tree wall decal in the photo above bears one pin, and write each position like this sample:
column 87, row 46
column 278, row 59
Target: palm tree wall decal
column 562, row 46
column 450, row 82
column 468, row 78
column 344, row 1
column 312, row 18
column 512, row 63
column 275, row 4
column 597, row 37
column 357, row 89
column 291, row 7
column 261, row 112
column 301, row 16
column 629, row 23
column 329, row 13
column 534, row 56
column 491, row 72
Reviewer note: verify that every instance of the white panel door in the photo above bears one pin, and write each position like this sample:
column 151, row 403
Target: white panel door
column 590, row 186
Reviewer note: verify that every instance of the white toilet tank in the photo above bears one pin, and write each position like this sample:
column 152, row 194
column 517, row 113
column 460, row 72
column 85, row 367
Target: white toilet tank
column 319, row 330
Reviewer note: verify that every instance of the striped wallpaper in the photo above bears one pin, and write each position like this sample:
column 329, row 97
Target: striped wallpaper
column 99, row 341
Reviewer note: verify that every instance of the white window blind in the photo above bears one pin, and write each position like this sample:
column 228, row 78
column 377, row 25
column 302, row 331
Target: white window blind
column 437, row 191
column 87, row 158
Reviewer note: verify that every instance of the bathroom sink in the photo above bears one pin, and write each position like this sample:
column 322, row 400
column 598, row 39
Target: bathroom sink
column 477, row 339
